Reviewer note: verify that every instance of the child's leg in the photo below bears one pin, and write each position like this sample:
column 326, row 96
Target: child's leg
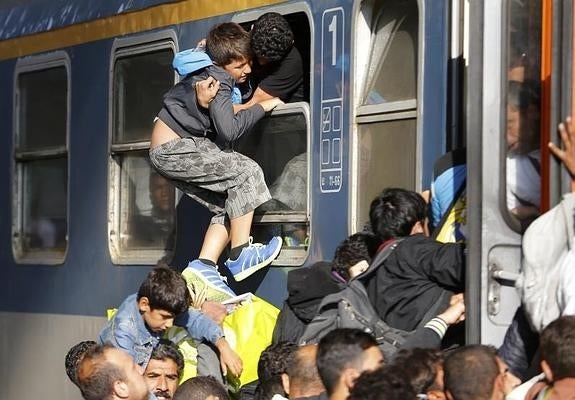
column 215, row 241
column 240, row 229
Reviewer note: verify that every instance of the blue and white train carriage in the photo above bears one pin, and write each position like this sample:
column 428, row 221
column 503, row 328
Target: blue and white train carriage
column 393, row 84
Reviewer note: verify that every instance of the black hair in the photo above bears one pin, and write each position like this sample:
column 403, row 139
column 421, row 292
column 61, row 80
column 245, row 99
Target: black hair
column 199, row 388
column 557, row 344
column 166, row 290
column 395, row 211
column 338, row 350
column 228, row 42
column 421, row 367
column 275, row 359
column 470, row 372
column 359, row 246
column 99, row 383
column 165, row 349
column 73, row 358
column 387, row 383
column 271, row 37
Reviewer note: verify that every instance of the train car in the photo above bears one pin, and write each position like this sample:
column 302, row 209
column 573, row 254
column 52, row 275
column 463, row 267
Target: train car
column 391, row 86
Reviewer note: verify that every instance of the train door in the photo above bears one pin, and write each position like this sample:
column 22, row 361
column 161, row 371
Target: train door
column 514, row 104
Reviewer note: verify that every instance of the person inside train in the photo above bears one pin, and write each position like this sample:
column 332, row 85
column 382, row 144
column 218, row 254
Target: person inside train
column 164, row 370
column 193, row 148
column 421, row 275
column 162, row 301
column 106, row 372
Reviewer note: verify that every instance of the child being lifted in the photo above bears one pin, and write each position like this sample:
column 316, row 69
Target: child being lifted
column 193, row 147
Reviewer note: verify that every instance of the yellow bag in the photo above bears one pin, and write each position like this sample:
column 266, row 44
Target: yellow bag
column 248, row 330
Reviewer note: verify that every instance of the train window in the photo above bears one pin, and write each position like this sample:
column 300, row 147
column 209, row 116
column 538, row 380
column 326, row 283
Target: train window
column 386, row 116
column 522, row 110
column 40, row 227
column 278, row 144
column 142, row 203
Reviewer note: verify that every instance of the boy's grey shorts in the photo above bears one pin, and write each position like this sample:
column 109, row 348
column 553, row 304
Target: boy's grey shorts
column 229, row 184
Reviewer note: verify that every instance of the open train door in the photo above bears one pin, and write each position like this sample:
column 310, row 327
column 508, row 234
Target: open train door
column 519, row 58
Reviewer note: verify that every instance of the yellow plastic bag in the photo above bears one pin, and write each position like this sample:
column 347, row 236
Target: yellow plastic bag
column 249, row 329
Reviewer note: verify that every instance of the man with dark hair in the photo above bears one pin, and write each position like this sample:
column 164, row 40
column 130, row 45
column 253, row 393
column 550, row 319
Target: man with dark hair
column 164, row 370
column 302, row 380
column 557, row 346
column 387, row 383
column 354, row 254
column 74, row 357
column 272, row 365
column 201, row 388
column 477, row 373
column 107, row 373
column 424, row 370
column 343, row 355
column 417, row 280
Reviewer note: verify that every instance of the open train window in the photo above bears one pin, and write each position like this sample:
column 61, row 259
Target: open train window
column 279, row 143
column 141, row 202
column 40, row 195
column 386, row 116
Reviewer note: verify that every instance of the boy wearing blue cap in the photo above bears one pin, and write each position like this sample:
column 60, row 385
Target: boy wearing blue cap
column 193, row 148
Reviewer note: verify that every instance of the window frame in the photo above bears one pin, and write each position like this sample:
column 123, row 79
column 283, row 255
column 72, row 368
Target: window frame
column 126, row 47
column 363, row 114
column 37, row 63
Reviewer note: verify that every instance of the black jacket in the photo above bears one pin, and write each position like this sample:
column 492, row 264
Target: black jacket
column 419, row 274
column 184, row 116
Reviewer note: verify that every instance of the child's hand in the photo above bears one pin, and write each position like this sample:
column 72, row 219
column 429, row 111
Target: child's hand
column 567, row 155
column 270, row 104
column 229, row 360
column 206, row 90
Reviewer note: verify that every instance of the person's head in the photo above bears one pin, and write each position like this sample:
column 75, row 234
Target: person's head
column 73, row 358
column 228, row 45
column 424, row 370
column 163, row 372
column 201, row 388
column 397, row 213
column 557, row 345
column 273, row 363
column 162, row 194
column 522, row 117
column 106, row 372
column 387, row 383
column 342, row 355
column 271, row 38
column 161, row 297
column 302, row 379
column 475, row 372
column 354, row 254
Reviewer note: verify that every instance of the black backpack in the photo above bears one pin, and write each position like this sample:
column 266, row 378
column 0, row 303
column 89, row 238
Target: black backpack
column 351, row 308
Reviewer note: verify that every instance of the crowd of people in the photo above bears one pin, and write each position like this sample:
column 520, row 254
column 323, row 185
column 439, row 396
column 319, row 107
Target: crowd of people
column 411, row 343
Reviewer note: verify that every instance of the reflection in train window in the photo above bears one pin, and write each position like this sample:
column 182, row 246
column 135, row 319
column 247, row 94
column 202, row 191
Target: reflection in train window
column 41, row 186
column 278, row 144
column 142, row 203
column 385, row 153
column 522, row 133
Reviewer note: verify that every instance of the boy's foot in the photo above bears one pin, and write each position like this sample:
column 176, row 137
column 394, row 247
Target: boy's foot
column 254, row 257
column 204, row 281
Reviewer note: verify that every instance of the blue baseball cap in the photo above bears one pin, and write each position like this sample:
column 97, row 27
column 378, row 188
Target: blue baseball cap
column 187, row 61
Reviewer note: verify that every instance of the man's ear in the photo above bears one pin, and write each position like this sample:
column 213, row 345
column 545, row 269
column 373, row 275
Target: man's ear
column 144, row 304
column 436, row 394
column 417, row 228
column 121, row 390
column 448, row 395
column 285, row 383
column 547, row 371
column 348, row 377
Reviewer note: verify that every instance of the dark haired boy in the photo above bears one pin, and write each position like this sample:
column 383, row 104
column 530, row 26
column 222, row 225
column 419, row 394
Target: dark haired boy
column 353, row 255
column 193, row 148
column 161, row 302
column 421, row 275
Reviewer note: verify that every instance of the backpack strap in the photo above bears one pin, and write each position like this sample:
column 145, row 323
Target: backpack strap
column 380, row 257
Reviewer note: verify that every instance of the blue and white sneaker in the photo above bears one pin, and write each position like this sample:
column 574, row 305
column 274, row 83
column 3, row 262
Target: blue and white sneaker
column 205, row 282
column 254, row 257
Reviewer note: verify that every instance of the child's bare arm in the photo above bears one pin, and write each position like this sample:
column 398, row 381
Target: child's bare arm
column 229, row 360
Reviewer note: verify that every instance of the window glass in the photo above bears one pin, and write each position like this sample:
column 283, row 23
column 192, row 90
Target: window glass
column 147, row 206
column 387, row 158
column 140, row 82
column 43, row 109
column 523, row 190
column 393, row 53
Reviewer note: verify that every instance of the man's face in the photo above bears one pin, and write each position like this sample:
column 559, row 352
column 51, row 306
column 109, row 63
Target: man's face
column 162, row 378
column 138, row 390
column 509, row 380
column 162, row 193
column 239, row 69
